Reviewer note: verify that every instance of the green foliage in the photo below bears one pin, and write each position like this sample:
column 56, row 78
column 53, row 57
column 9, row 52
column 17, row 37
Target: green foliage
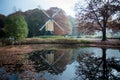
column 52, row 37
column 2, row 23
column 35, row 20
column 16, row 27
column 85, row 41
column 2, row 34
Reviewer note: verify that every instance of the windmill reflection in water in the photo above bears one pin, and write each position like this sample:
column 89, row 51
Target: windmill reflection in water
column 44, row 60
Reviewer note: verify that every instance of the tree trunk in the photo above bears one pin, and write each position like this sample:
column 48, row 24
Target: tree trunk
column 105, row 73
column 104, row 38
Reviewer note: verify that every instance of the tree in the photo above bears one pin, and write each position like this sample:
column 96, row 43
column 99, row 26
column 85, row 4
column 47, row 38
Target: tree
column 35, row 19
column 16, row 27
column 62, row 19
column 114, row 25
column 96, row 14
column 2, row 23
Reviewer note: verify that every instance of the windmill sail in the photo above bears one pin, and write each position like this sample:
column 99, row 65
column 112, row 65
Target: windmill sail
column 58, row 26
column 56, row 13
column 49, row 25
column 44, row 25
column 45, row 13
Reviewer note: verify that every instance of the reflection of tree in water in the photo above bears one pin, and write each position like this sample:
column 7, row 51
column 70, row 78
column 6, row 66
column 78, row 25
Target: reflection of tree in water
column 94, row 68
column 54, row 61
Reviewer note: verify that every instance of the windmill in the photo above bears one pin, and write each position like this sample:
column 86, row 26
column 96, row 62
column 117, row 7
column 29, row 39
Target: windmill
column 49, row 24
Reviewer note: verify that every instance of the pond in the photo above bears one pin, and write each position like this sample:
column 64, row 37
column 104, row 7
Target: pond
column 83, row 63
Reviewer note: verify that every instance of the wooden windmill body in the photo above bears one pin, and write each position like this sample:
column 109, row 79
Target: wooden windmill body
column 49, row 24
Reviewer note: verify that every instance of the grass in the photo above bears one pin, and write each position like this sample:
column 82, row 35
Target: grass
column 49, row 40
column 55, row 37
column 54, row 40
column 67, row 41
column 85, row 41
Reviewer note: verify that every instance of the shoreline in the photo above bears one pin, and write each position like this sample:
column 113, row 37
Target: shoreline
column 29, row 45
column 69, row 42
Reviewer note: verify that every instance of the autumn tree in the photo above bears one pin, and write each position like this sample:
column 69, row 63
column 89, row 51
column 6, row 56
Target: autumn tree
column 62, row 19
column 95, row 14
column 114, row 25
column 36, row 19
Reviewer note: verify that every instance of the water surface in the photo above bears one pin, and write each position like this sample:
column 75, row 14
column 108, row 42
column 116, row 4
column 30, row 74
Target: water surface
column 84, row 63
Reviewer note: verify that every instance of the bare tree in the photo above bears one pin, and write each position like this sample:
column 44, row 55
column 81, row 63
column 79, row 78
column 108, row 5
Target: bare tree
column 95, row 15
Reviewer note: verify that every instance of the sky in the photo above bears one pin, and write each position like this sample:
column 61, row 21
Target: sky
column 10, row 6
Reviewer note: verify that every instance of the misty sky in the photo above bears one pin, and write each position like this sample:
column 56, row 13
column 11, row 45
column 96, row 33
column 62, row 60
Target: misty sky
column 10, row 6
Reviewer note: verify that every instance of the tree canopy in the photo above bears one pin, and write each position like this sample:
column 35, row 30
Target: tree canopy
column 96, row 14
column 16, row 27
column 2, row 23
column 36, row 19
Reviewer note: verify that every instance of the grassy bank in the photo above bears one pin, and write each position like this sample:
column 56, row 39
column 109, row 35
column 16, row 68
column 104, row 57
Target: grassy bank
column 70, row 41
column 48, row 41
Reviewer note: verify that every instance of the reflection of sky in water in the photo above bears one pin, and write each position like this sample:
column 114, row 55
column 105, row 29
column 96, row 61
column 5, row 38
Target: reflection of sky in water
column 113, row 53
column 98, row 52
column 69, row 73
column 7, row 76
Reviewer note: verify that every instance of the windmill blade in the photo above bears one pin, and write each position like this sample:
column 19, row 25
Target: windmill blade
column 56, row 13
column 44, row 25
column 58, row 25
column 45, row 13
